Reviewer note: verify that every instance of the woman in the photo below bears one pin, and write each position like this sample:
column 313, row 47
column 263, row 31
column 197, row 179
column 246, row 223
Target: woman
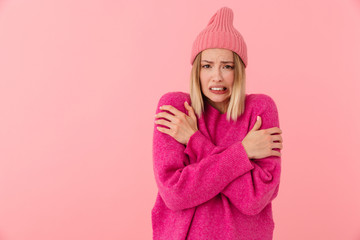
column 216, row 171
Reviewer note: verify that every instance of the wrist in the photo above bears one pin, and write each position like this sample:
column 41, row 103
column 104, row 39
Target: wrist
column 191, row 136
column 246, row 149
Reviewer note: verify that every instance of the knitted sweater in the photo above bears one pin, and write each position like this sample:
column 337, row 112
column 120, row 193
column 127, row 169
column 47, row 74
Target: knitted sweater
column 209, row 188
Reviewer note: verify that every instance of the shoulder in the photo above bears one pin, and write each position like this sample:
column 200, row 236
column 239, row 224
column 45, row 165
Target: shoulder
column 260, row 101
column 264, row 106
column 176, row 99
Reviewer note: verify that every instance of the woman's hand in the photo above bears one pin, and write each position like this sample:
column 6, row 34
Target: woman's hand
column 182, row 126
column 260, row 143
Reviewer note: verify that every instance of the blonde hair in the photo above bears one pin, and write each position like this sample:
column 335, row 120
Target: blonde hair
column 236, row 105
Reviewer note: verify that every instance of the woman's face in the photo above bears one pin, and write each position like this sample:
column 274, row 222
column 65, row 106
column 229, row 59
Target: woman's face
column 217, row 70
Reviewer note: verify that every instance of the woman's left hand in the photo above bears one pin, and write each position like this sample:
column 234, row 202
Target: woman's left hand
column 182, row 126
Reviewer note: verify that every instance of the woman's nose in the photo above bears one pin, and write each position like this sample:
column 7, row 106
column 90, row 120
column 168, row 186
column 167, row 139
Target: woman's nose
column 217, row 74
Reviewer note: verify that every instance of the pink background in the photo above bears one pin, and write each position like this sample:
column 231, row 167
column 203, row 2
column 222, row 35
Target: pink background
column 80, row 81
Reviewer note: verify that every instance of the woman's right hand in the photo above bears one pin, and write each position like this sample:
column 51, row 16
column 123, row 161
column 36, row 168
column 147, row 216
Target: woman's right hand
column 260, row 143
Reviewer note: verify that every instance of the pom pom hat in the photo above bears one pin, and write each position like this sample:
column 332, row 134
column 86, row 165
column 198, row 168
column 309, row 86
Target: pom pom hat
column 220, row 33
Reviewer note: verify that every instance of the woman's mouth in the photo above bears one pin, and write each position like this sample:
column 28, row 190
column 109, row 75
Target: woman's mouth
column 218, row 90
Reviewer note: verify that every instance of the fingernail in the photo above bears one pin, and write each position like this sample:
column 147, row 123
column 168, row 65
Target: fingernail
column 258, row 117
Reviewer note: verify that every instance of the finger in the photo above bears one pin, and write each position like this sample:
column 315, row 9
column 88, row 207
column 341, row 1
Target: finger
column 258, row 121
column 257, row 124
column 274, row 130
column 276, row 138
column 164, row 130
column 165, row 123
column 186, row 104
column 275, row 153
column 173, row 110
column 191, row 111
column 277, row 145
column 167, row 116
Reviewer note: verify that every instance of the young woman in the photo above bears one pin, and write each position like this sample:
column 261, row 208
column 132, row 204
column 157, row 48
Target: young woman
column 216, row 165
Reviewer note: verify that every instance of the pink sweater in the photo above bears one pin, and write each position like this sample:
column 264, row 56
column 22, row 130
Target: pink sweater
column 209, row 188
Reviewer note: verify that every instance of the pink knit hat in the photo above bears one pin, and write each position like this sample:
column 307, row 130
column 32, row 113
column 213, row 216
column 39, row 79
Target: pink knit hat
column 220, row 33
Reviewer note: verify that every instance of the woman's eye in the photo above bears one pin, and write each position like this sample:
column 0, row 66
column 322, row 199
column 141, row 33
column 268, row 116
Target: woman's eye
column 227, row 66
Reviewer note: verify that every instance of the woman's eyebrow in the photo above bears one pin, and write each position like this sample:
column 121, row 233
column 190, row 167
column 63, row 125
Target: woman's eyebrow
column 221, row 61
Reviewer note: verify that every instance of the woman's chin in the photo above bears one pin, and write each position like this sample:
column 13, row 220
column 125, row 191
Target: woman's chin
column 218, row 99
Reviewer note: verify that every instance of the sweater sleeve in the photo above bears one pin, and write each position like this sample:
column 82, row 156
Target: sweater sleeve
column 182, row 185
column 252, row 191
